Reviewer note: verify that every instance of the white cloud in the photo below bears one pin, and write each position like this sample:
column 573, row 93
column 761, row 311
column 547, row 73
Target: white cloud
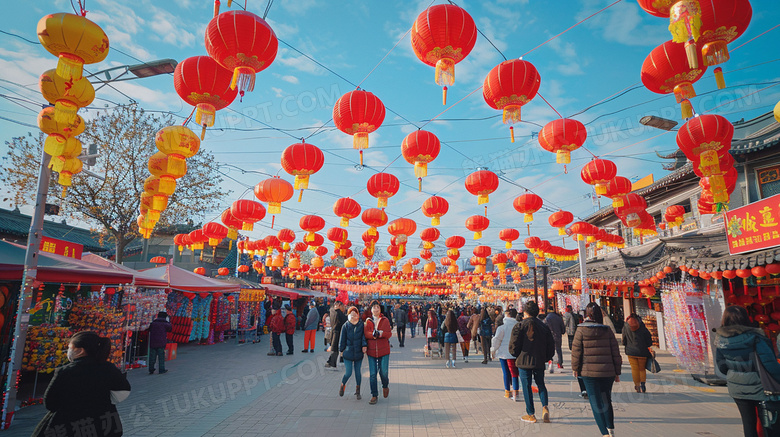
column 171, row 29
column 569, row 62
column 300, row 63
column 624, row 24
column 290, row 79
column 278, row 92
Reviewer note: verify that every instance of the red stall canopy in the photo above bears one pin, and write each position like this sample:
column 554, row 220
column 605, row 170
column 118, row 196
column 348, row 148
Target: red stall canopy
column 57, row 268
column 141, row 279
column 184, row 280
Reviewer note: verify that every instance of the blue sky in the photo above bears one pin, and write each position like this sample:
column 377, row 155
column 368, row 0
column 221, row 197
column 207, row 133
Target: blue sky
column 586, row 65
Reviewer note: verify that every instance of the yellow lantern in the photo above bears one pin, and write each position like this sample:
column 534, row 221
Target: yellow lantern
column 61, row 149
column 66, row 96
column 278, row 261
column 75, row 40
column 317, row 262
column 777, row 112
column 294, row 263
column 48, row 125
column 69, row 168
column 158, row 166
column 179, row 143
column 350, row 263
column 154, row 184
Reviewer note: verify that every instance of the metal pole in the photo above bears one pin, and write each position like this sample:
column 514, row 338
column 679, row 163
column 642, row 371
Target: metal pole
column 536, row 290
column 544, row 286
column 585, row 293
column 145, row 253
column 26, row 292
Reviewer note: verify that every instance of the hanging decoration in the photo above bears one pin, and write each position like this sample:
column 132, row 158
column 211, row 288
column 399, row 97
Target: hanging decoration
column 204, row 84
column 481, row 183
column 510, row 85
column 528, row 204
column 382, row 186
column 75, row 40
column 666, row 70
column 302, row 160
column 477, row 224
column 435, row 207
column 560, row 219
column 562, row 136
column 419, row 148
column 347, row 209
column 599, row 172
column 248, row 211
column 358, row 113
column 274, row 191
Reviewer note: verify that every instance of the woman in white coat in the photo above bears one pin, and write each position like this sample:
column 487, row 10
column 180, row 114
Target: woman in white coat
column 500, row 349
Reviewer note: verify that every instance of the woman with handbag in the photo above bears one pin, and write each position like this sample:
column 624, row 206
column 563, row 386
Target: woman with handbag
column 737, row 348
column 451, row 333
column 638, row 342
column 485, row 334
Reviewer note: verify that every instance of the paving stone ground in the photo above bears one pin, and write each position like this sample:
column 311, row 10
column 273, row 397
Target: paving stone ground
column 237, row 390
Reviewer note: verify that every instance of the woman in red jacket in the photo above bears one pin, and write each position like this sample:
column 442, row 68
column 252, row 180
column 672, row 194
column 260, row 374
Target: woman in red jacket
column 414, row 317
column 378, row 332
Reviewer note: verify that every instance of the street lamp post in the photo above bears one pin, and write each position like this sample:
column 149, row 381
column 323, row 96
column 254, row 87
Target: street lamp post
column 30, row 273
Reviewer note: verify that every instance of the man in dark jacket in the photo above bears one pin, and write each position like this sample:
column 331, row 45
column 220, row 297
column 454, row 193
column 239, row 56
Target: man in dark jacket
column 533, row 345
column 337, row 320
column 158, row 338
column 570, row 320
column 557, row 327
column 276, row 323
column 289, row 327
column 401, row 319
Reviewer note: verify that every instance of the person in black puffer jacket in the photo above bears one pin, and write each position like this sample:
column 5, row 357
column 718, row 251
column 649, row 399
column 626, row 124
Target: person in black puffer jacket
column 637, row 341
column 533, row 345
column 352, row 344
column 736, row 345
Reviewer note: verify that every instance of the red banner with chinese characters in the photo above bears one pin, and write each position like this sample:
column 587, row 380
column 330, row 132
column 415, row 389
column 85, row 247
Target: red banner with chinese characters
column 755, row 226
column 61, row 247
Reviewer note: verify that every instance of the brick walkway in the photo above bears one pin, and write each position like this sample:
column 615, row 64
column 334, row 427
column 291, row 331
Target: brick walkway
column 236, row 390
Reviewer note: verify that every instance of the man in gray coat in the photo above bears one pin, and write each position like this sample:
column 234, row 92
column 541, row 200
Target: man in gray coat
column 401, row 319
column 557, row 327
column 570, row 321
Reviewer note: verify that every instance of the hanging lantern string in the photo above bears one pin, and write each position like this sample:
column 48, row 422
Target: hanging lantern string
column 573, row 26
column 187, row 120
column 481, row 33
column 751, row 39
column 740, row 98
column 267, row 8
column 450, row 107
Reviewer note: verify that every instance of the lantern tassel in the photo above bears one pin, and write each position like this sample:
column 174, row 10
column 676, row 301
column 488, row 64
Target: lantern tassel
column 444, row 96
column 692, row 52
column 216, row 7
column 686, row 108
column 361, row 158
column 70, row 67
column 512, row 133
column 719, row 78
column 419, row 185
column 485, row 210
column 300, row 196
column 435, row 221
column 273, row 219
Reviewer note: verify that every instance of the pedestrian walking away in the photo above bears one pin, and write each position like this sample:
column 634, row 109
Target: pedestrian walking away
column 81, row 396
column 473, row 325
column 310, row 328
column 570, row 321
column 638, row 346
column 158, row 338
column 401, row 319
column 596, row 358
column 485, row 334
column 352, row 345
column 465, row 335
column 450, row 328
column 289, row 327
column 337, row 320
column 500, row 350
column 737, row 347
column 558, row 328
column 377, row 331
column 533, row 345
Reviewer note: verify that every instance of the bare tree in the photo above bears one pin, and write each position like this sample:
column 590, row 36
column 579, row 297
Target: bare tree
column 125, row 139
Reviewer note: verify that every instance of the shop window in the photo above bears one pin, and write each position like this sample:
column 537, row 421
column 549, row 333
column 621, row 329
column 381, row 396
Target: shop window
column 769, row 181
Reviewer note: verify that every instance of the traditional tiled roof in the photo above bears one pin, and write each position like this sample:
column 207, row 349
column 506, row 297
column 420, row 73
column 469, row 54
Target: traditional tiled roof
column 16, row 224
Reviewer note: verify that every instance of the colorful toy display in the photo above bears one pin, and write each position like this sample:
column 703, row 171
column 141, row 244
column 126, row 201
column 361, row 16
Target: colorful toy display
column 685, row 325
column 46, row 348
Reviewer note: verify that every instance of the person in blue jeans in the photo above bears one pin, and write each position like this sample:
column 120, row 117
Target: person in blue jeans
column 158, row 338
column 533, row 345
column 500, row 349
column 595, row 357
column 352, row 345
column 378, row 331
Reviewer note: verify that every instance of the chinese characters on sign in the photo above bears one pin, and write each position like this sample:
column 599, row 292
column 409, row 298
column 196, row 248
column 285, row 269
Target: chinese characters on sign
column 61, row 247
column 754, row 227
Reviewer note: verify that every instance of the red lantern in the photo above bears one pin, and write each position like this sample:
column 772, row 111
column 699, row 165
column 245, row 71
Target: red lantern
column 243, row 43
column 435, row 207
column 232, row 223
column 599, row 172
column 744, row 273
column 248, row 211
column 562, row 136
column 759, row 272
column 674, row 214
column 374, row 218
column 722, row 21
column 528, row 204
column 338, row 236
column 401, row 229
column 560, row 219
column 509, row 86
column 223, row 271
column 429, row 235
column 274, row 191
column 481, row 183
column 182, row 240
column 617, row 189
column 346, row 208
column 442, row 36
column 508, row 236
column 302, row 160
column 358, row 113
column 773, row 269
column 200, row 271
column 243, row 268
column 311, row 224
column 419, row 148
column 382, row 186
column 477, row 224
column 215, row 232
column 159, row 259
column 584, row 231
column 203, row 83
column 706, row 140
column 633, row 205
column 455, row 242
column 666, row 70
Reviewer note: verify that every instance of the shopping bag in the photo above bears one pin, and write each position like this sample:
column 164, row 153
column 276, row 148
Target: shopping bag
column 170, row 351
column 460, row 336
column 652, row 365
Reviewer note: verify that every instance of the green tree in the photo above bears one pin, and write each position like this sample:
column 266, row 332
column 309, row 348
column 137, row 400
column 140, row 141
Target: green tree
column 125, row 139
